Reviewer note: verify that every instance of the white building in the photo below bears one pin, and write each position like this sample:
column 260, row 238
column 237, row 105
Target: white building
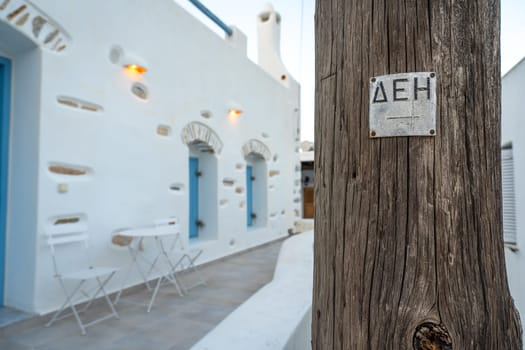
column 88, row 142
column 513, row 167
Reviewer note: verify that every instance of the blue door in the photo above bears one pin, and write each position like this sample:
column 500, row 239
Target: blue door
column 194, row 197
column 249, row 195
column 5, row 93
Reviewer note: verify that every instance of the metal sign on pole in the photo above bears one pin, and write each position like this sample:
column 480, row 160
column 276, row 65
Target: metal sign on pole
column 403, row 105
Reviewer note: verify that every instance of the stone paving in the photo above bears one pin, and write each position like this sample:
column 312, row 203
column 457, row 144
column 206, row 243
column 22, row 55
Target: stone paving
column 174, row 323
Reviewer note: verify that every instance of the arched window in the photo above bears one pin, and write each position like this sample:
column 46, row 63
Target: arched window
column 256, row 155
column 203, row 145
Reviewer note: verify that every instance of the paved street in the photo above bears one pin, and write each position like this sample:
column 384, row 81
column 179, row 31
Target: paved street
column 174, row 323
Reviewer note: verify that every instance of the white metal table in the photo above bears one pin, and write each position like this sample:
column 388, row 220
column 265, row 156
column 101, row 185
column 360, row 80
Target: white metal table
column 158, row 233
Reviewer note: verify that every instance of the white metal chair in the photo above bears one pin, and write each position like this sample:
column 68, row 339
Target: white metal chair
column 187, row 263
column 74, row 235
column 188, row 257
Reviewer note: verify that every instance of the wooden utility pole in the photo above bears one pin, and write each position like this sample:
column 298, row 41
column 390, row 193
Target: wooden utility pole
column 408, row 230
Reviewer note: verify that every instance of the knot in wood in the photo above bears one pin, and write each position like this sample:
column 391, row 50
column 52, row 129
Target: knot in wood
column 431, row 336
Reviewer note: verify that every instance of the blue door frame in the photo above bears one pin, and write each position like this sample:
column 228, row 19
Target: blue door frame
column 249, row 196
column 5, row 99
column 194, row 197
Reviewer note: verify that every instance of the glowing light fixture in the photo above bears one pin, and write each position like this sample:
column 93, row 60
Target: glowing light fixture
column 234, row 113
column 135, row 69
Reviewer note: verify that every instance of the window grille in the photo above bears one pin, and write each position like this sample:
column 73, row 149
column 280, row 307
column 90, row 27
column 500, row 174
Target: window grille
column 509, row 203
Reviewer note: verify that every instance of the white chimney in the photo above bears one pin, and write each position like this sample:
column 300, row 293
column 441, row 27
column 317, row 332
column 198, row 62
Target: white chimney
column 269, row 31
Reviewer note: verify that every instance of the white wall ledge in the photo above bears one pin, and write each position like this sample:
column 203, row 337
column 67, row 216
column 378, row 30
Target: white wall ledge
column 277, row 316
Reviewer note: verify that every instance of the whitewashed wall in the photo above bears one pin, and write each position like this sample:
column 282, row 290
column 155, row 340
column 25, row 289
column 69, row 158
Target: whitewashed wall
column 512, row 125
column 130, row 167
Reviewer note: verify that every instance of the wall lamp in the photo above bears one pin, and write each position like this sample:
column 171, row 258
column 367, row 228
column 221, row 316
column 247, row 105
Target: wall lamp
column 133, row 65
column 234, row 113
column 135, row 69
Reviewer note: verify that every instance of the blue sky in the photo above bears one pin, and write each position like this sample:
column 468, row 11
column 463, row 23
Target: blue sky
column 512, row 33
column 297, row 38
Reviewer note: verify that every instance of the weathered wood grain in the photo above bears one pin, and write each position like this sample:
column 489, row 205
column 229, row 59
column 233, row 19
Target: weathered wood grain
column 409, row 230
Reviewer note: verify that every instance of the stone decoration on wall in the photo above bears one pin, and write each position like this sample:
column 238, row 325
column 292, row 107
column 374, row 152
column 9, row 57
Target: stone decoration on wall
column 163, row 130
column 228, row 182
column 273, row 173
column 206, row 114
column 256, row 147
column 35, row 24
column 197, row 132
column 140, row 90
column 77, row 103
column 64, row 169
column 177, row 187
